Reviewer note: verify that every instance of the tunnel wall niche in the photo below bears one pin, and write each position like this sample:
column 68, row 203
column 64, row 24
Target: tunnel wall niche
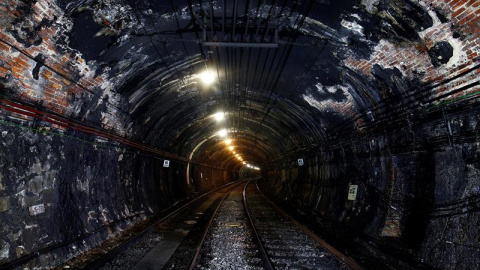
column 418, row 192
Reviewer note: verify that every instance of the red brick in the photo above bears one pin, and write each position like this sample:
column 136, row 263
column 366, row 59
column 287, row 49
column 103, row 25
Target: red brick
column 4, row 36
column 17, row 70
column 458, row 5
column 458, row 12
column 4, row 47
column 56, row 86
column 46, row 75
column 66, row 82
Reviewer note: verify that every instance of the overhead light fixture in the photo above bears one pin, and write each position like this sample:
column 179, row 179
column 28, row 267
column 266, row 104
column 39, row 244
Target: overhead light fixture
column 219, row 116
column 230, row 148
column 222, row 133
column 228, row 141
column 207, row 77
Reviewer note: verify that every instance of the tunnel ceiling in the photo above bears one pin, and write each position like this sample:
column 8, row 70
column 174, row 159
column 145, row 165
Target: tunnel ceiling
column 289, row 74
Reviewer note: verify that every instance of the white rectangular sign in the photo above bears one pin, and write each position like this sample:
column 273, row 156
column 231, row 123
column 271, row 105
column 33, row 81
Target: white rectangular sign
column 352, row 192
column 166, row 163
column 37, row 209
column 300, row 162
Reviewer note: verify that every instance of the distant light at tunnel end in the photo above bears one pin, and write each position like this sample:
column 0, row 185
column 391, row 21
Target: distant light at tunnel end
column 252, row 167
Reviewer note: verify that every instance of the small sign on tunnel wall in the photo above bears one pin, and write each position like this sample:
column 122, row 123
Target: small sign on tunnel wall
column 166, row 163
column 300, row 162
column 37, row 209
column 352, row 192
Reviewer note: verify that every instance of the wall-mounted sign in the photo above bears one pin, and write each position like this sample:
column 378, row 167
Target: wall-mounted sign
column 37, row 209
column 352, row 192
column 166, row 163
column 300, row 162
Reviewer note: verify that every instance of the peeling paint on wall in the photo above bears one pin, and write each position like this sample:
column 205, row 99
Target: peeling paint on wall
column 327, row 101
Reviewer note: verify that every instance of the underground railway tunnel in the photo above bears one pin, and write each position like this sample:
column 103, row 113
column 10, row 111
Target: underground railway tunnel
column 358, row 118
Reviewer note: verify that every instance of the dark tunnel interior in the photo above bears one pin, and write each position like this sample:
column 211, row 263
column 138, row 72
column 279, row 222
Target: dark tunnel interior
column 112, row 111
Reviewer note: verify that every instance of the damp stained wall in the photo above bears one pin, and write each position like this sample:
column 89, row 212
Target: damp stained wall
column 95, row 95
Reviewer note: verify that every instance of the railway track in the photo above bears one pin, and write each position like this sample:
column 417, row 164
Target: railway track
column 288, row 244
column 230, row 242
column 235, row 227
column 165, row 233
column 249, row 232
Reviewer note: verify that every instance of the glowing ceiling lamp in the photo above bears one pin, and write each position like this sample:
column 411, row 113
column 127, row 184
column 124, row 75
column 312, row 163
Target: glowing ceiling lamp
column 219, row 116
column 228, row 141
column 230, row 148
column 207, row 77
column 222, row 133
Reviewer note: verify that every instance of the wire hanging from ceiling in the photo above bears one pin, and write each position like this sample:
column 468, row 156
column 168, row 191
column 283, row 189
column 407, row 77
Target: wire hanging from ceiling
column 299, row 24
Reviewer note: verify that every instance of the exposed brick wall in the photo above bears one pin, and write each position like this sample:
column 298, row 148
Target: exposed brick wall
column 20, row 67
column 36, row 68
column 462, row 31
column 421, row 201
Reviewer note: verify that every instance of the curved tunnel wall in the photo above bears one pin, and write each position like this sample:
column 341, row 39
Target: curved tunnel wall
column 385, row 97
column 417, row 193
column 90, row 190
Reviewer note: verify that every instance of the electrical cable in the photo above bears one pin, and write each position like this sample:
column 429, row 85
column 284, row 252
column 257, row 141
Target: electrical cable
column 416, row 95
column 299, row 23
column 61, row 121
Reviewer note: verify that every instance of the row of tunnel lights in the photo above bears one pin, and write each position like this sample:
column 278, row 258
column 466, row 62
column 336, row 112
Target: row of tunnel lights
column 220, row 116
column 208, row 78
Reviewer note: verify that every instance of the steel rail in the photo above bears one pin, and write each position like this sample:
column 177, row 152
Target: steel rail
column 194, row 260
column 102, row 260
column 26, row 258
column 266, row 260
column 340, row 256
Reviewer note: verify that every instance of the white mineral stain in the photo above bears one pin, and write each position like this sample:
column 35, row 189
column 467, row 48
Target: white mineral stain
column 459, row 56
column 370, row 5
column 354, row 27
column 31, row 226
column 329, row 105
column 4, row 251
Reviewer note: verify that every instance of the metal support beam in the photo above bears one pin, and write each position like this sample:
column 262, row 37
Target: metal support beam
column 240, row 44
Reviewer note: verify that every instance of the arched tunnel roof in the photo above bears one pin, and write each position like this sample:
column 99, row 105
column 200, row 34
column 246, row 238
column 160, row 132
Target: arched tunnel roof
column 289, row 74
